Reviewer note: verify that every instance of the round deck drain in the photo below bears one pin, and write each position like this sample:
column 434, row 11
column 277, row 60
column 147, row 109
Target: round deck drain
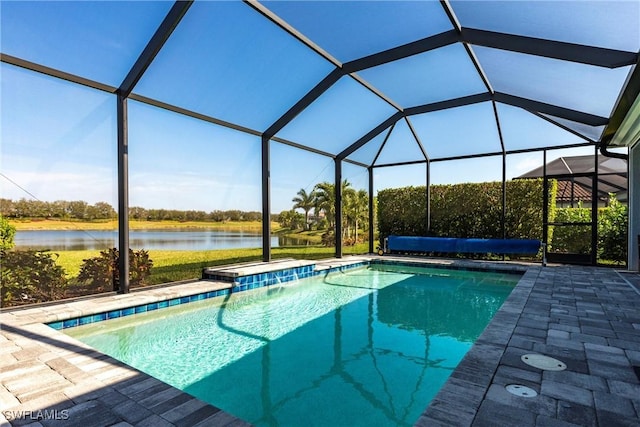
column 543, row 362
column 521, row 390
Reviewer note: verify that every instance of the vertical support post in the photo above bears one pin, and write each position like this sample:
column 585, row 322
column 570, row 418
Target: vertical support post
column 338, row 207
column 633, row 248
column 266, row 199
column 428, row 171
column 594, row 208
column 123, row 196
column 371, row 210
column 503, row 220
column 545, row 203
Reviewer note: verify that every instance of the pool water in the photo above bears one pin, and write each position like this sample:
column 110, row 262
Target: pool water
column 369, row 347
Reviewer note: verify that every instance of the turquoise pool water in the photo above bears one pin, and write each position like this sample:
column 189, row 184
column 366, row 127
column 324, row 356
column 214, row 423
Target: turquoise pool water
column 369, row 347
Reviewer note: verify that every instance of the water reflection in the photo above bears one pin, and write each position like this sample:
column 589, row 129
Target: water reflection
column 64, row 240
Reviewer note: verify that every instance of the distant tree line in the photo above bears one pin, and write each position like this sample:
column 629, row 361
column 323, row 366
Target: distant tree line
column 81, row 210
column 143, row 214
column 62, row 209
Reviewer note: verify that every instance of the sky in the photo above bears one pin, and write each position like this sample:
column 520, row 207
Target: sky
column 58, row 139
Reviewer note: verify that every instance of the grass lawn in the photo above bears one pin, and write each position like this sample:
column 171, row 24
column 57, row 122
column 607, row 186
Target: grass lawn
column 175, row 265
column 170, row 266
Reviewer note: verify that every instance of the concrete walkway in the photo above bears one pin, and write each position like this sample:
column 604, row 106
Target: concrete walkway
column 588, row 318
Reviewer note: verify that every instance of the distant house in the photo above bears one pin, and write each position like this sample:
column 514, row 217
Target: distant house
column 574, row 176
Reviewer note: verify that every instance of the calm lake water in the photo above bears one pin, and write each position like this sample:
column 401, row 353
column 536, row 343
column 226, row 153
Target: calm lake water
column 61, row 240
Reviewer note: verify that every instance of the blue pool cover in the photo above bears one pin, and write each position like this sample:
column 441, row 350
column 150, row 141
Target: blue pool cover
column 460, row 245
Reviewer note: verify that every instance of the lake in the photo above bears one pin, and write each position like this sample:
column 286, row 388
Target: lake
column 65, row 240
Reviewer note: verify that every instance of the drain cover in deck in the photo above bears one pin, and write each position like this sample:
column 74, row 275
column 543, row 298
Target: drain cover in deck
column 543, row 362
column 521, row 390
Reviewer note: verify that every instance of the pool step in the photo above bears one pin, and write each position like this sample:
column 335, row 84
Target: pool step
column 232, row 273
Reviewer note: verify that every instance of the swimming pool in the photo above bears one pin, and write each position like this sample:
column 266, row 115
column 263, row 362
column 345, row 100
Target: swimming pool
column 371, row 346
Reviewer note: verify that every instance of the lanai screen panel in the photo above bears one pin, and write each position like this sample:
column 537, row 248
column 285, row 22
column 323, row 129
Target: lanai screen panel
column 235, row 65
column 401, row 146
column 309, row 169
column 579, row 87
column 56, row 139
column 349, row 30
column 97, row 40
column 608, row 24
column 589, row 132
column 214, row 166
column 433, row 76
column 368, row 152
column 523, row 130
column 460, row 131
column 466, row 170
column 399, row 176
column 345, row 112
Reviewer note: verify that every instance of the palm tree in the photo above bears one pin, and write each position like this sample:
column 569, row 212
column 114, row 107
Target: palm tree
column 326, row 199
column 306, row 202
column 360, row 209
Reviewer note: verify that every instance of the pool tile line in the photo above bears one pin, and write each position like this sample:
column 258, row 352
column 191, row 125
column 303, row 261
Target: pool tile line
column 246, row 283
column 143, row 308
column 464, row 265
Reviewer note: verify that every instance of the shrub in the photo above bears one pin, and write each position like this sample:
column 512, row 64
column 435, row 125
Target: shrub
column 329, row 238
column 31, row 277
column 139, row 267
column 612, row 231
column 291, row 219
column 7, row 233
column 572, row 238
column 102, row 272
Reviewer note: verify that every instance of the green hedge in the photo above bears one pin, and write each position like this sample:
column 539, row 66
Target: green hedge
column 574, row 239
column 612, row 232
column 402, row 211
column 465, row 210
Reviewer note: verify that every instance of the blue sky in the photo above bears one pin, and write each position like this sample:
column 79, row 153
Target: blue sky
column 225, row 60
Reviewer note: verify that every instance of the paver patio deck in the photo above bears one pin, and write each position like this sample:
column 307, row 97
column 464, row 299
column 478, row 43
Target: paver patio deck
column 589, row 318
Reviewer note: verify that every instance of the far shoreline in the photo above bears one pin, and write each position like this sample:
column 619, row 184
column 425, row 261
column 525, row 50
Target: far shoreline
column 54, row 224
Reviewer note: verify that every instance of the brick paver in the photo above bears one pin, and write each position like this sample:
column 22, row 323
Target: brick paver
column 586, row 317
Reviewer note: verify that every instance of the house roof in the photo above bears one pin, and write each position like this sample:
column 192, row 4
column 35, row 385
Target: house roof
column 575, row 193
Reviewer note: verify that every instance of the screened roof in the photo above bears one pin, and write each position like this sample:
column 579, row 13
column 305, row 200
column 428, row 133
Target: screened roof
column 371, row 82
column 612, row 176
